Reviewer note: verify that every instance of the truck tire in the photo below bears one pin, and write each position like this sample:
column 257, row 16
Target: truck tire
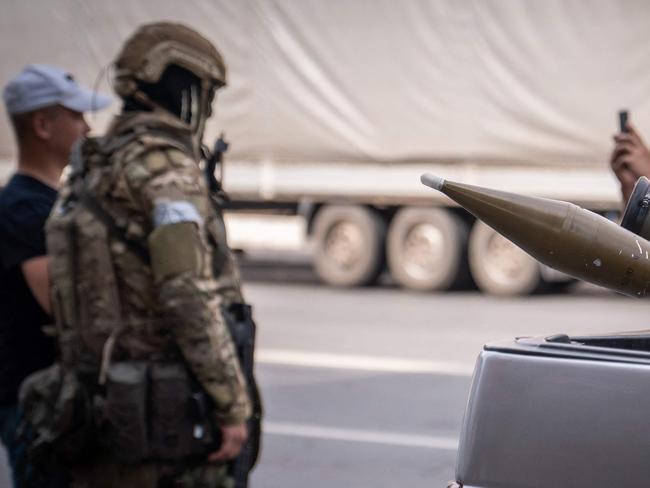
column 427, row 249
column 498, row 266
column 349, row 247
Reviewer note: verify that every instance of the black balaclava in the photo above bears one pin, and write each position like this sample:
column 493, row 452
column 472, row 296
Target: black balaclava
column 179, row 92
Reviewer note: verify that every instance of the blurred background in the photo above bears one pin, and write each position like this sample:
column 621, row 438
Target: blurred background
column 373, row 294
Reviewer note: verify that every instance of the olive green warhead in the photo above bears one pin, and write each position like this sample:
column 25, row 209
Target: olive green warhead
column 559, row 234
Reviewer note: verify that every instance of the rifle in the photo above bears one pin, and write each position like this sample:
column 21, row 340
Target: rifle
column 239, row 320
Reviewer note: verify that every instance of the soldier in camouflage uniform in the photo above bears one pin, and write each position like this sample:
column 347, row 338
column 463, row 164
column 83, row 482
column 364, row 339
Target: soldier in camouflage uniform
column 140, row 265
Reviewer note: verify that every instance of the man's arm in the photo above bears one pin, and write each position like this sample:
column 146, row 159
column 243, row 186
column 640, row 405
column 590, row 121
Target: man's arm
column 176, row 199
column 36, row 274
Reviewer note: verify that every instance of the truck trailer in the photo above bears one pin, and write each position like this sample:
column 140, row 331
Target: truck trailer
column 334, row 109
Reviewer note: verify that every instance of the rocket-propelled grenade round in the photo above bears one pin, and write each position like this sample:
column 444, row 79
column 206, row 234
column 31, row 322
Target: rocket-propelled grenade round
column 559, row 234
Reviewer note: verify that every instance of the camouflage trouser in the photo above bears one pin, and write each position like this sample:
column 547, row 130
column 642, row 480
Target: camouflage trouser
column 111, row 475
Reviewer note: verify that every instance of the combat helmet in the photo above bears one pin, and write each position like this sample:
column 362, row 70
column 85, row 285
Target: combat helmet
column 152, row 50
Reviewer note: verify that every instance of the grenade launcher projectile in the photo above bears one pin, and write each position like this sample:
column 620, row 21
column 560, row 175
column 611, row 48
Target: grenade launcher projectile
column 561, row 235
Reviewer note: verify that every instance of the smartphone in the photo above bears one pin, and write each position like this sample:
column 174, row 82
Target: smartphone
column 622, row 120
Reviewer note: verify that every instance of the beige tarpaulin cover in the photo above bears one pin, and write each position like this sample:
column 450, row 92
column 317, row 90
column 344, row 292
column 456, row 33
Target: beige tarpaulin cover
column 535, row 81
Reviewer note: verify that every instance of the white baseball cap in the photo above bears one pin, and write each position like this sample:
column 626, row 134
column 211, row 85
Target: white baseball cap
column 42, row 85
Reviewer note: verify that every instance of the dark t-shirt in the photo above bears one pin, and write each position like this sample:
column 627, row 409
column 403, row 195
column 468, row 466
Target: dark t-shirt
column 25, row 204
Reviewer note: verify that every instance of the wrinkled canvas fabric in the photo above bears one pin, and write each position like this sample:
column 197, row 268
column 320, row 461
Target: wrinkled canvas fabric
column 482, row 81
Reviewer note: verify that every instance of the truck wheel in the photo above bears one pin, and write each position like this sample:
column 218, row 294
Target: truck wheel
column 348, row 245
column 426, row 249
column 498, row 266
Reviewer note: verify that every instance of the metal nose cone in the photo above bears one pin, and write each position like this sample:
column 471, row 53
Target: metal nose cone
column 435, row 182
column 559, row 234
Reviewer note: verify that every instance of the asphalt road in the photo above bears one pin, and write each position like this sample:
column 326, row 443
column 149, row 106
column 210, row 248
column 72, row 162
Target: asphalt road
column 367, row 387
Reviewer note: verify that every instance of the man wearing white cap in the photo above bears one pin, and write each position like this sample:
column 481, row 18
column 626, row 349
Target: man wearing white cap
column 46, row 108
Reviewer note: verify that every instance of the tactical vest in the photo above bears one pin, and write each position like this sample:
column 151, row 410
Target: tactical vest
column 95, row 306
column 84, row 290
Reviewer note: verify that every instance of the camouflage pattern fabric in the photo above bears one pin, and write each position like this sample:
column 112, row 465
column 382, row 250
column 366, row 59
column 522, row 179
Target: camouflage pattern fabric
column 111, row 475
column 169, row 308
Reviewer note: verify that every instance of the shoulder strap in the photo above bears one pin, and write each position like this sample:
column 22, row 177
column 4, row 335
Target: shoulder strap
column 92, row 204
column 117, row 231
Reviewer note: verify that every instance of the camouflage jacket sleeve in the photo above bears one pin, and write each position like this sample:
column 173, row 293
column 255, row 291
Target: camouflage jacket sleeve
column 170, row 186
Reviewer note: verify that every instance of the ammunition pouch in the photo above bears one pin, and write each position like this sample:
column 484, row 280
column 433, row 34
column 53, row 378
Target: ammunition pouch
column 122, row 413
column 157, row 411
column 144, row 412
column 181, row 425
column 57, row 418
column 152, row 412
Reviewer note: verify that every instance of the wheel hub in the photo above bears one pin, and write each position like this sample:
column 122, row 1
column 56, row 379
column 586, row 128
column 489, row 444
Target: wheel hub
column 505, row 262
column 423, row 249
column 344, row 244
